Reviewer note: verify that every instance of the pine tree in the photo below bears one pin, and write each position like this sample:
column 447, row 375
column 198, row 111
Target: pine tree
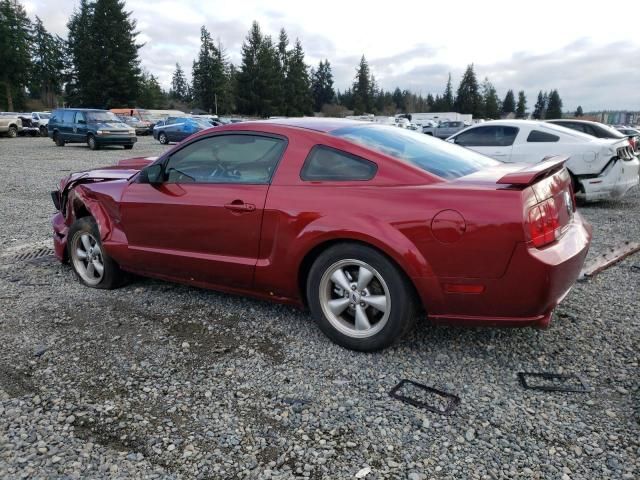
column 447, row 98
column 398, row 99
column 47, row 65
column 509, row 103
column 540, row 107
column 490, row 100
column 322, row 85
column 15, row 37
column 208, row 74
column 151, row 94
column 284, row 54
column 362, row 89
column 179, row 85
column 521, row 108
column 430, row 102
column 468, row 99
column 104, row 54
column 297, row 84
column 579, row 112
column 554, row 107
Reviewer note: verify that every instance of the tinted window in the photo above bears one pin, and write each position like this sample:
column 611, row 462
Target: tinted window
column 489, row 136
column 68, row 116
column 538, row 136
column 329, row 164
column 80, row 117
column 226, row 159
column 430, row 154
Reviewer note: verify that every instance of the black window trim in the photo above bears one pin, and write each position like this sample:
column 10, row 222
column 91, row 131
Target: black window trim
column 165, row 160
column 478, row 127
column 320, row 146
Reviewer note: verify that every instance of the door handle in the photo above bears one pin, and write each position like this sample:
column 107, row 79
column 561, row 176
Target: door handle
column 240, row 206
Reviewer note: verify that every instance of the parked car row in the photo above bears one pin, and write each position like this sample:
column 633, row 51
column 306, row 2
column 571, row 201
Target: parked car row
column 13, row 124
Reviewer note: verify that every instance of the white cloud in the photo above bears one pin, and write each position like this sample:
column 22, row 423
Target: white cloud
column 569, row 45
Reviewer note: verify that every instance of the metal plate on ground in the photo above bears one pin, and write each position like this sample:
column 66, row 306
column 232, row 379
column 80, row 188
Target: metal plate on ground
column 604, row 261
column 425, row 397
column 553, row 382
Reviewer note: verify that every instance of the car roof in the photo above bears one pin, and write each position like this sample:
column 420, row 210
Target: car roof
column 318, row 124
column 84, row 109
column 534, row 124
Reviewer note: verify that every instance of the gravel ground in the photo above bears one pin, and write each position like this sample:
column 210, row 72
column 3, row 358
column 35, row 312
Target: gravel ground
column 157, row 380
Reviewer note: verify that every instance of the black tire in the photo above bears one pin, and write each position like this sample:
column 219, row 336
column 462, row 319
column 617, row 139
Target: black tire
column 404, row 305
column 128, row 147
column 163, row 139
column 93, row 144
column 12, row 132
column 112, row 276
column 58, row 139
column 43, row 131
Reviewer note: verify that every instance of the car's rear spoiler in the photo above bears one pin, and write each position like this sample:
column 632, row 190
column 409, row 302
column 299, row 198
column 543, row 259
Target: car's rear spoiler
column 531, row 173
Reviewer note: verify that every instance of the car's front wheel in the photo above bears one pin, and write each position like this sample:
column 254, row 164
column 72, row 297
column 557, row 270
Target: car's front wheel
column 90, row 262
column 13, row 132
column 163, row 139
column 360, row 299
column 91, row 141
column 128, row 147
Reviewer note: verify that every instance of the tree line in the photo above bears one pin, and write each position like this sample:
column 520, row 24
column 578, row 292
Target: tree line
column 98, row 65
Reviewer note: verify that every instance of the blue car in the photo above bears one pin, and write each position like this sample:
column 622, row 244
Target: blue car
column 176, row 129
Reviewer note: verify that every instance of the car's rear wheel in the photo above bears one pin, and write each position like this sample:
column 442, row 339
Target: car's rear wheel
column 43, row 131
column 128, row 147
column 163, row 139
column 91, row 141
column 13, row 132
column 58, row 139
column 90, row 262
column 360, row 299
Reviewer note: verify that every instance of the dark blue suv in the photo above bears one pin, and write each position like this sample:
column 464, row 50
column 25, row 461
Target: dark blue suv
column 93, row 127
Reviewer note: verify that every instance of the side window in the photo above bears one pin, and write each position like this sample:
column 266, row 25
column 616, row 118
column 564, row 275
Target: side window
column 329, row 164
column 80, row 117
column 538, row 136
column 68, row 116
column 490, row 136
column 243, row 159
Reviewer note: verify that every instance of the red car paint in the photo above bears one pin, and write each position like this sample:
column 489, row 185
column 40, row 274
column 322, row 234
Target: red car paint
column 463, row 243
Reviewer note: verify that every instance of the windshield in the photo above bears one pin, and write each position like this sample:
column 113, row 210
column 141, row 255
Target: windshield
column 145, row 115
column 430, row 154
column 102, row 117
column 44, row 115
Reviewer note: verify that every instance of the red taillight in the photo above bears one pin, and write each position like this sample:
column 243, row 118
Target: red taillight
column 463, row 288
column 544, row 223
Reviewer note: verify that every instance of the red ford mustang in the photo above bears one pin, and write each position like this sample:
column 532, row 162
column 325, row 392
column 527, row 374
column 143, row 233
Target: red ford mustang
column 365, row 224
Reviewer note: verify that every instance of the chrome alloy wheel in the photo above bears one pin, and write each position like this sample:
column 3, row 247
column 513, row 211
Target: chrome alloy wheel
column 355, row 298
column 87, row 258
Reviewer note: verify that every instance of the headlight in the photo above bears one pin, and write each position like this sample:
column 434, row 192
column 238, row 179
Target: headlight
column 100, row 132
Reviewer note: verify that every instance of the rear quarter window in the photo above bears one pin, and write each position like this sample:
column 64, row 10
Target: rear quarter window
column 329, row 164
column 536, row 136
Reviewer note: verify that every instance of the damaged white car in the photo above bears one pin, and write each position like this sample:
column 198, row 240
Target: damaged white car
column 600, row 168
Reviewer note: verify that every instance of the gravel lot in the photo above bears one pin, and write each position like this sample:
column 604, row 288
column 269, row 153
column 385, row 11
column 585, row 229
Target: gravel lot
column 157, row 380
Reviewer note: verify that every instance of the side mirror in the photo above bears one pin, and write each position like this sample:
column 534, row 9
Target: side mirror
column 153, row 174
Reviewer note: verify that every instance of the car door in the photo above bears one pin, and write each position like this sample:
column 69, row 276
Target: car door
column 80, row 127
column 203, row 222
column 495, row 141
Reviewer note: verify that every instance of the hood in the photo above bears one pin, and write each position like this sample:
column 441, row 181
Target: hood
column 112, row 126
column 123, row 170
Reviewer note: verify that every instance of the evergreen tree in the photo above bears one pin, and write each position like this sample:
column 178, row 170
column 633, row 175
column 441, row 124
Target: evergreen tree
column 15, row 37
column 554, row 107
column 208, row 74
column 468, row 99
column 297, row 84
column 322, row 86
column 490, row 100
column 447, row 98
column 104, row 55
column 540, row 107
column 521, row 108
column 284, row 54
column 47, row 65
column 363, row 86
column 509, row 103
column 398, row 99
column 179, row 85
column 151, row 94
column 579, row 112
column 430, row 102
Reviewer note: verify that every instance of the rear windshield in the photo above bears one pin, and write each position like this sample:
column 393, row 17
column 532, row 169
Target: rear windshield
column 435, row 156
column 102, row 117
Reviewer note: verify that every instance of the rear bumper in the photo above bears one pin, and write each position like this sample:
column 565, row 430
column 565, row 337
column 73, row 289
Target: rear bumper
column 613, row 183
column 535, row 282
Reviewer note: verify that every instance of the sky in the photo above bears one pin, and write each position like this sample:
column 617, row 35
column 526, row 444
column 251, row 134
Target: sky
column 591, row 55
